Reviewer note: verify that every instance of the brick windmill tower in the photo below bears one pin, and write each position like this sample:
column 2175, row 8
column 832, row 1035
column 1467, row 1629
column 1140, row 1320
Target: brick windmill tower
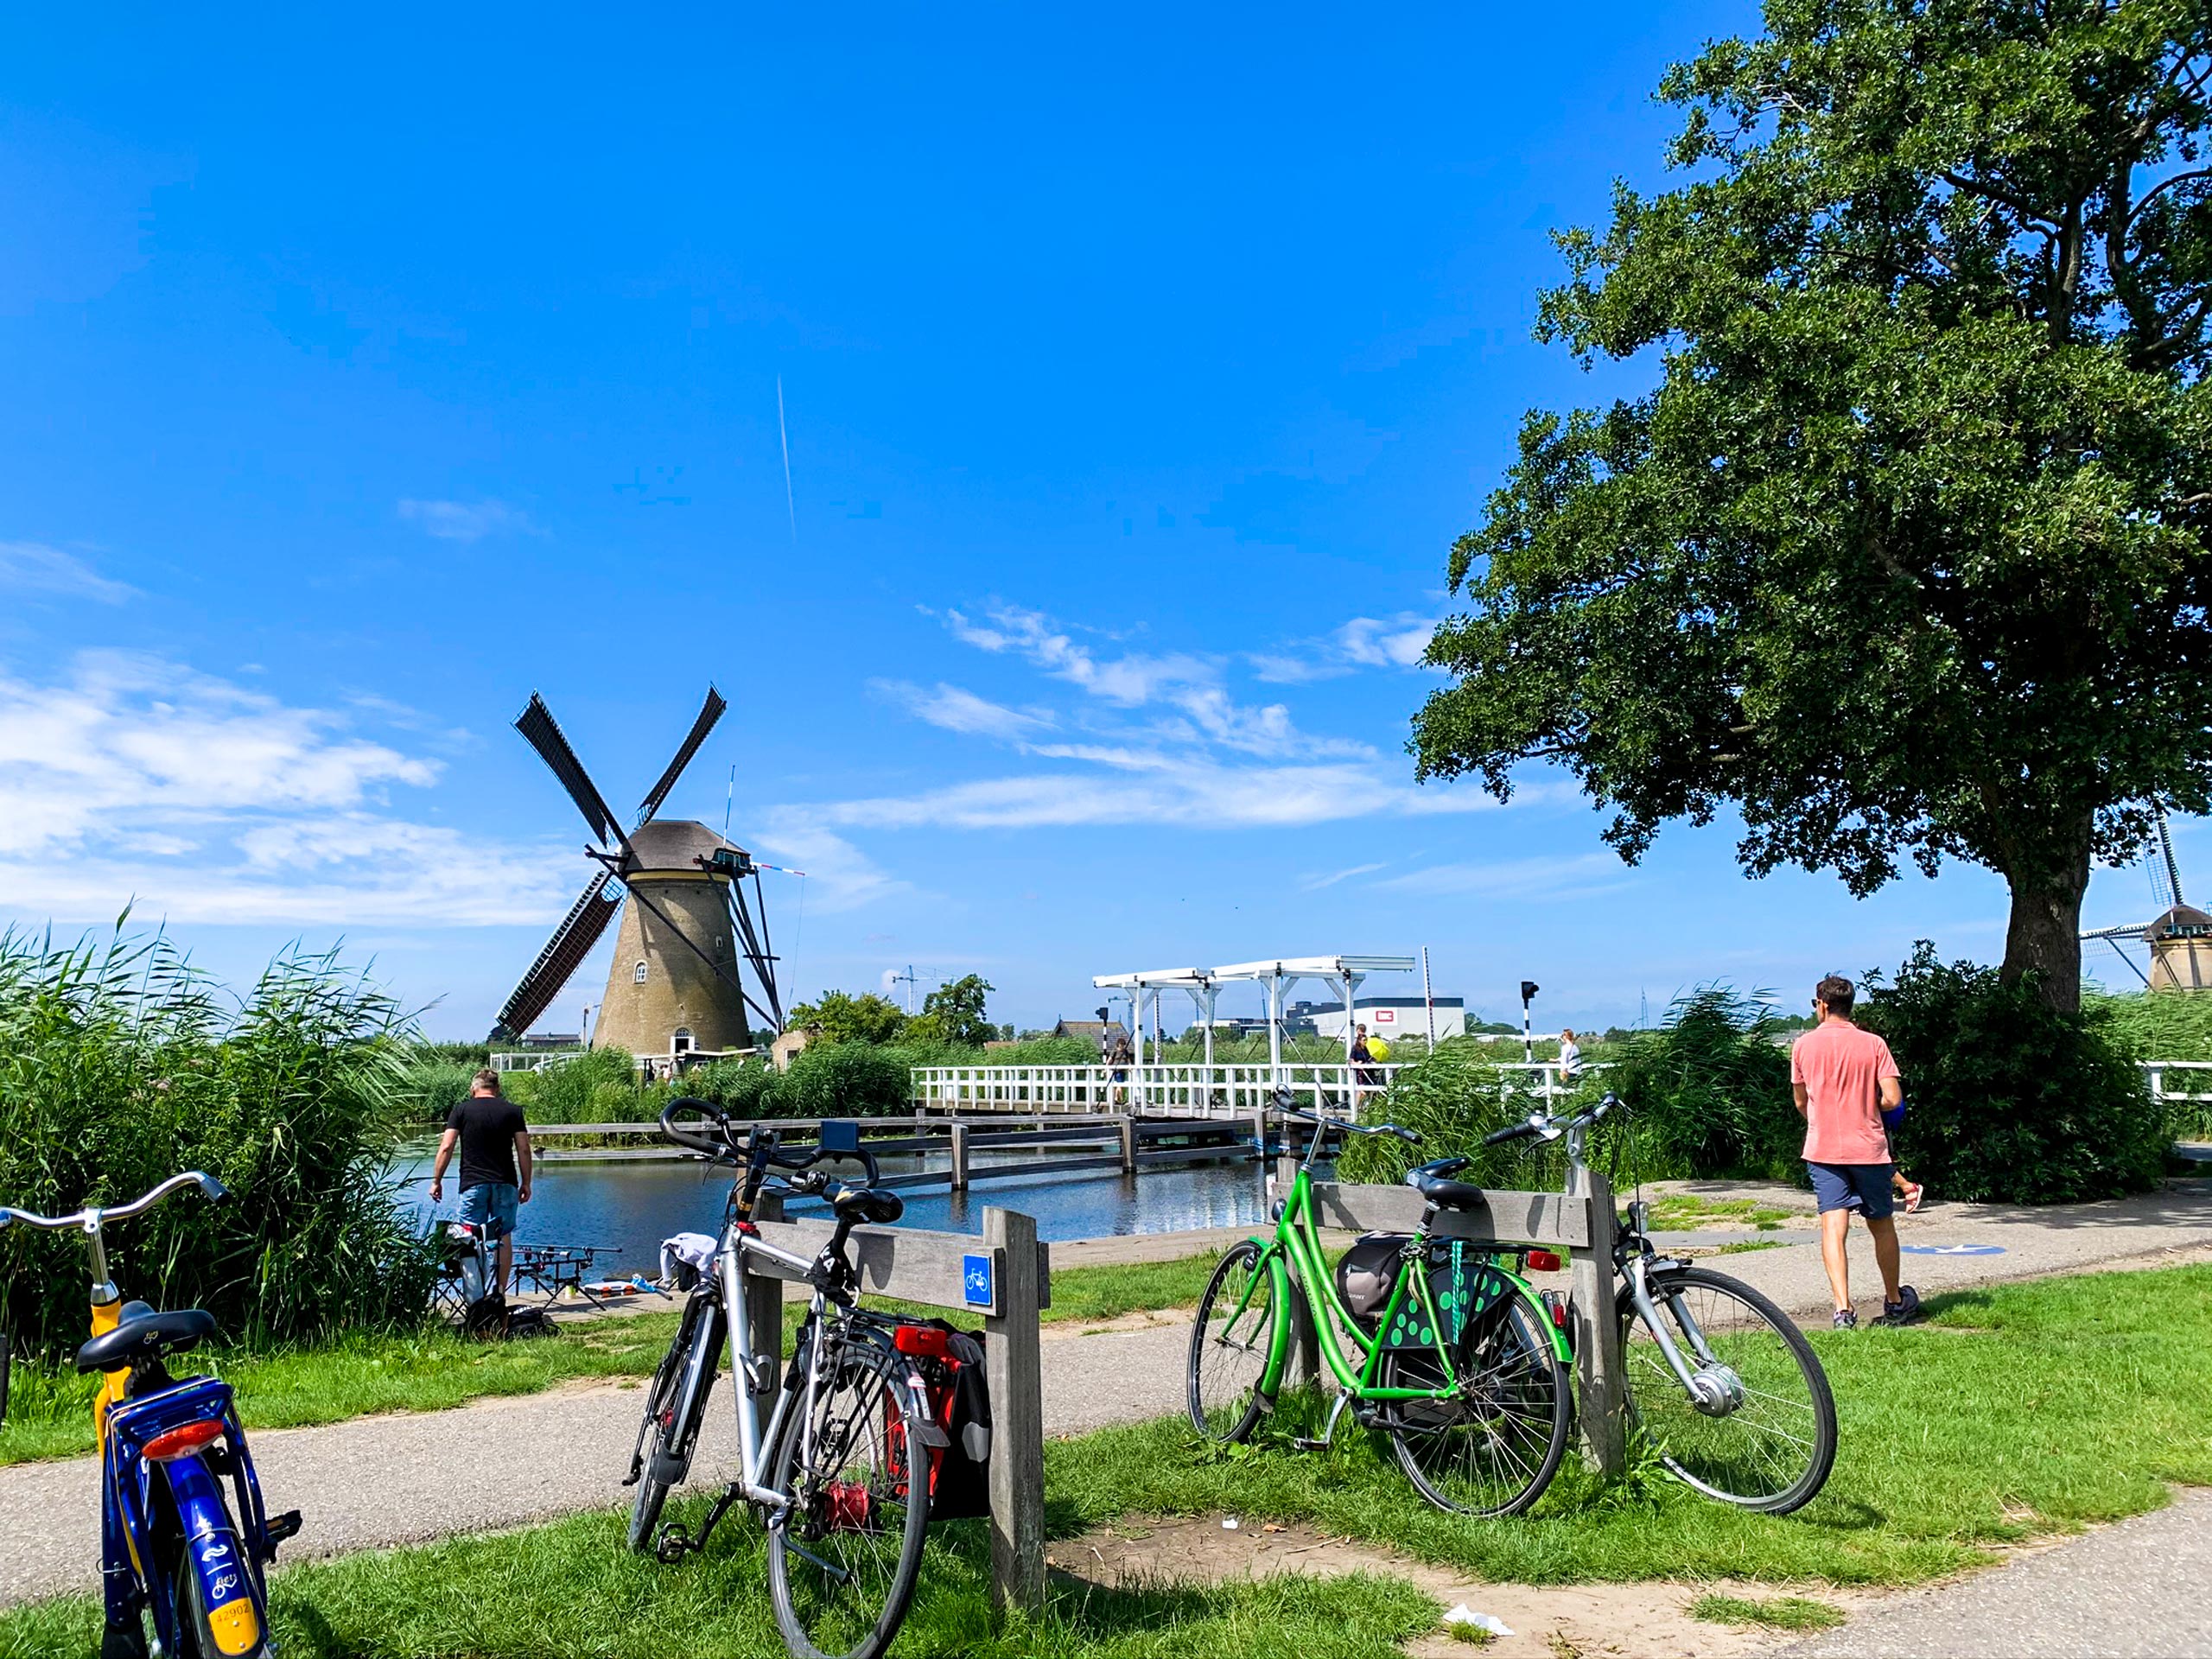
column 688, row 931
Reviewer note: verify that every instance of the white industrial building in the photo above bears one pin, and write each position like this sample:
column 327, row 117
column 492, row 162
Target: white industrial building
column 1388, row 1017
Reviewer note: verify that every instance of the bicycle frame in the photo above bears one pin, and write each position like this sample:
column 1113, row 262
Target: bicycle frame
column 1294, row 1259
column 128, row 1430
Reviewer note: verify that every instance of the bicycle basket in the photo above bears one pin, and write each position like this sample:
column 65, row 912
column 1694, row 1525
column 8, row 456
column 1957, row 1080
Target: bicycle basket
column 1464, row 1285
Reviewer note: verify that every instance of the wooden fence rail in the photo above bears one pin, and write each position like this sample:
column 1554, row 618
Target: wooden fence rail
column 1006, row 1276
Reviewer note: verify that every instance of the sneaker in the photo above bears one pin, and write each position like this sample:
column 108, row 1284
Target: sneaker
column 1846, row 1318
column 1904, row 1309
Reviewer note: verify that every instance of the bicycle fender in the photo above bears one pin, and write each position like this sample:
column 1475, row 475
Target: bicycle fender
column 227, row 1585
column 1279, row 1343
column 1534, row 1301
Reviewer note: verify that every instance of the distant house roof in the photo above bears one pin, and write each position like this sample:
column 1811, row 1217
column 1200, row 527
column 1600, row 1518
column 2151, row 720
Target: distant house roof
column 1091, row 1030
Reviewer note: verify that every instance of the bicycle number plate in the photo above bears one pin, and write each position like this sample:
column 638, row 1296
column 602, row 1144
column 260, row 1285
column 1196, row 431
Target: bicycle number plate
column 975, row 1281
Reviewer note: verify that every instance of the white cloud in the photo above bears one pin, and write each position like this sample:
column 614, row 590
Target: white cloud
column 35, row 568
column 1399, row 641
column 959, row 710
column 1549, row 879
column 1315, row 883
column 839, row 876
column 1157, row 789
column 211, row 802
column 463, row 521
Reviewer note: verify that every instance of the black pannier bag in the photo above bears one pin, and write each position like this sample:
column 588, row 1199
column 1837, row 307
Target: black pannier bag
column 1464, row 1286
column 957, row 1404
column 1366, row 1274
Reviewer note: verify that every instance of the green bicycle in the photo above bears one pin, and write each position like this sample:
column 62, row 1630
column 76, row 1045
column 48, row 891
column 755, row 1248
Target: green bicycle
column 1437, row 1342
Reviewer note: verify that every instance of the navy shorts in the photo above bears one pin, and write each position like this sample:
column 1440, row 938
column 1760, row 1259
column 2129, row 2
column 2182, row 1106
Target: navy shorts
column 1863, row 1188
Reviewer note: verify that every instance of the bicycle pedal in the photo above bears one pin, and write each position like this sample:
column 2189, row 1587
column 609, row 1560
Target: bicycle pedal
column 673, row 1547
column 283, row 1527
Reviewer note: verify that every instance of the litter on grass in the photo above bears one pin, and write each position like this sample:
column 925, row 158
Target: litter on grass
column 1463, row 1614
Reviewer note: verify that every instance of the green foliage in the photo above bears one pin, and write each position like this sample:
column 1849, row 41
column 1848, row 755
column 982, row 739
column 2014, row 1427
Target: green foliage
column 2156, row 1025
column 1906, row 555
column 742, row 1087
column 120, row 1066
column 1452, row 1098
column 433, row 1087
column 587, row 1087
column 1782, row 1613
column 841, row 1017
column 1708, row 1092
column 958, row 1007
column 2011, row 1101
column 845, row 1080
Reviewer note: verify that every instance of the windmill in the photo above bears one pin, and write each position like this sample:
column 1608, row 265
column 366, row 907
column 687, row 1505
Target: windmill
column 677, row 985
column 2179, row 937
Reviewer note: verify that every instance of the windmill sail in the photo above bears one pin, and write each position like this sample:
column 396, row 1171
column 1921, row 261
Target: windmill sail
column 709, row 712
column 571, row 943
column 536, row 725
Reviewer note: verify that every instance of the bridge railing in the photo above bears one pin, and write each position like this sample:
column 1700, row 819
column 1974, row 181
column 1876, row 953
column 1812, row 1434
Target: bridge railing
column 1195, row 1090
column 2192, row 1084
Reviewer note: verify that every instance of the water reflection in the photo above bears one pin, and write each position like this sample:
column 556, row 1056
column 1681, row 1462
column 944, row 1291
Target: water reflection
column 635, row 1206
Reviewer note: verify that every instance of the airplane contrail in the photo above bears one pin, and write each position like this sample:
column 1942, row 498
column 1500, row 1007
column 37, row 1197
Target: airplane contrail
column 790, row 503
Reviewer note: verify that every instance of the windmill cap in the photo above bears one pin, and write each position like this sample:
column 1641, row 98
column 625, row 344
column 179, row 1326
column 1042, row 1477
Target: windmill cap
column 674, row 845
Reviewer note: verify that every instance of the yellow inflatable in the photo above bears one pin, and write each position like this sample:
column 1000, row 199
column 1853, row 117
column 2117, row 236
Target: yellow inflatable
column 1377, row 1049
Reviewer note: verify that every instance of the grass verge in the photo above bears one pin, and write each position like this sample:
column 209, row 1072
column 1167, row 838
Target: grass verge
column 49, row 1413
column 1782, row 1613
column 2024, row 1409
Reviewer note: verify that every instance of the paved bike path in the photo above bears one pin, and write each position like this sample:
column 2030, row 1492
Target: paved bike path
column 507, row 1462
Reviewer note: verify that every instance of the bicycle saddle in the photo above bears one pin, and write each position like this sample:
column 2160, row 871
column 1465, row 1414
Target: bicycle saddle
column 1442, row 1190
column 144, row 1335
column 874, row 1204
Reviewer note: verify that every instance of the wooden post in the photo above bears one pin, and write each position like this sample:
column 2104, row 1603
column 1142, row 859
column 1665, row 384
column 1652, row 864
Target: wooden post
column 959, row 1156
column 764, row 1306
column 1127, row 1127
column 1599, row 1377
column 1014, row 1370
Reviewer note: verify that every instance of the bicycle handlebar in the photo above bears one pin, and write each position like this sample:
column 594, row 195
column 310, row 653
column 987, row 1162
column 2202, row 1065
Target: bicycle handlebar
column 1551, row 1127
column 749, row 1147
column 101, row 1214
column 1412, row 1138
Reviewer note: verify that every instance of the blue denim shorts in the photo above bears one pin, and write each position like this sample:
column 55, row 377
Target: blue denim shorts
column 492, row 1206
column 1863, row 1188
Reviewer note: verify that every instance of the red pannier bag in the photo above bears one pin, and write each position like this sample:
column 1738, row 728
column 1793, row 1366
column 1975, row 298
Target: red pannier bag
column 949, row 1363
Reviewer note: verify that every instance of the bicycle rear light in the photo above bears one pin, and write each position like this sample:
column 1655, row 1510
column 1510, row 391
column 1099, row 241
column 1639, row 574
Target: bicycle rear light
column 182, row 1442
column 1543, row 1261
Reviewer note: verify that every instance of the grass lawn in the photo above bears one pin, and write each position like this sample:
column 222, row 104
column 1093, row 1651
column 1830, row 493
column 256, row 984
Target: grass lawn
column 49, row 1414
column 1684, row 1210
column 2017, row 1410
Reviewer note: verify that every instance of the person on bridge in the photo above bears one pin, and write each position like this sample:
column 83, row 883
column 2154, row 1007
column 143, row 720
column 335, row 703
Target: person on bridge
column 1843, row 1078
column 494, row 1144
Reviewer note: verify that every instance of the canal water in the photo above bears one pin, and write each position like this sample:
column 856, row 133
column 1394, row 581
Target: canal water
column 633, row 1205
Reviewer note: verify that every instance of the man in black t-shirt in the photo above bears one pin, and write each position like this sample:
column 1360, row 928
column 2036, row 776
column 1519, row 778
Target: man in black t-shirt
column 494, row 1144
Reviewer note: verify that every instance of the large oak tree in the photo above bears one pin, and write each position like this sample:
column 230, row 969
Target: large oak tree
column 1906, row 554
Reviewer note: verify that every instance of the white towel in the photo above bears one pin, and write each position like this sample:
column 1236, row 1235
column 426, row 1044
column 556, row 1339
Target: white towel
column 694, row 1250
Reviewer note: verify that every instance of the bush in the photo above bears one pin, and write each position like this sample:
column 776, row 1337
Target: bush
column 432, row 1087
column 845, row 1080
column 120, row 1066
column 744, row 1087
column 2012, row 1101
column 1452, row 1098
column 1708, row 1094
column 600, row 1085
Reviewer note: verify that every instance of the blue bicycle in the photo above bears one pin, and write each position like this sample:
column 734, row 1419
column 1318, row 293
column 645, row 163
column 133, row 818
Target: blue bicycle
column 169, row 1543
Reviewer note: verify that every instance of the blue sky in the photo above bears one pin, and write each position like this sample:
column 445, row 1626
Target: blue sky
column 1139, row 369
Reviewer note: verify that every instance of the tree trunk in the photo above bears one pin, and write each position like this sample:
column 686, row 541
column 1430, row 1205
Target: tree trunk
column 2045, row 935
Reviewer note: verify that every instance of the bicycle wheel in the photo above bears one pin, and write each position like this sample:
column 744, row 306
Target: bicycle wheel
column 662, row 1454
column 1493, row 1447
column 1765, row 1439
column 842, row 1560
column 1229, row 1344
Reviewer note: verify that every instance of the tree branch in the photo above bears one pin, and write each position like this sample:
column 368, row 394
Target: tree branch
column 2165, row 184
column 2017, row 203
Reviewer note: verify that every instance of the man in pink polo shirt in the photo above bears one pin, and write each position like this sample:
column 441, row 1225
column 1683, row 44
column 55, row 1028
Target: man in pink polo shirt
column 1843, row 1076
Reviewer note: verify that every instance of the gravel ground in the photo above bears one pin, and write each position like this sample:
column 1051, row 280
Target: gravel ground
column 2139, row 1589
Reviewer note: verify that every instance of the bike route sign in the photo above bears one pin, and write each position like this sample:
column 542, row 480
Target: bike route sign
column 1951, row 1250
column 976, row 1280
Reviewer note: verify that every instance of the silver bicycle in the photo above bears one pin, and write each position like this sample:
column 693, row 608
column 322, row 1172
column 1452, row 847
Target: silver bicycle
column 829, row 1472
column 1721, row 1384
